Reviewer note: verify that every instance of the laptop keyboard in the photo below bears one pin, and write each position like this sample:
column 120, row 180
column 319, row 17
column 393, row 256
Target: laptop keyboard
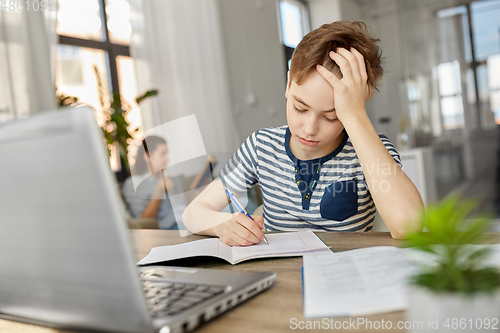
column 167, row 299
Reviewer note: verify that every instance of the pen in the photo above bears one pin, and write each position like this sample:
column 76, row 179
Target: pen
column 233, row 199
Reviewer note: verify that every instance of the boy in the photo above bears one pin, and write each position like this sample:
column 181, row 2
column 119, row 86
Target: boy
column 328, row 168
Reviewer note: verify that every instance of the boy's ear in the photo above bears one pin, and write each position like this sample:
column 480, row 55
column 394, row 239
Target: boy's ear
column 287, row 84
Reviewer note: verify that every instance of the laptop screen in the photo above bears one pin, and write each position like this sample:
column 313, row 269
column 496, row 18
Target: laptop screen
column 64, row 246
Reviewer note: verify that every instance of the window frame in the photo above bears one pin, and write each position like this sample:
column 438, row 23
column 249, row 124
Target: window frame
column 306, row 26
column 111, row 50
column 473, row 65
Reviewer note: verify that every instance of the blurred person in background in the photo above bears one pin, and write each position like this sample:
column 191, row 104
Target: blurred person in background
column 150, row 197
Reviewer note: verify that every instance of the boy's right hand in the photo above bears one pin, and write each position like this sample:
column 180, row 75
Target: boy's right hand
column 240, row 230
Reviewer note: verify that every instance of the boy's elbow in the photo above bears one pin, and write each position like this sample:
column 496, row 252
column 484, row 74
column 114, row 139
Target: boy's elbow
column 402, row 230
column 397, row 235
column 406, row 221
column 397, row 231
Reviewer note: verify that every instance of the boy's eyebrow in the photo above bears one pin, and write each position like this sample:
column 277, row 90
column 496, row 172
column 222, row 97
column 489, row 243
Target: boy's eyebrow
column 302, row 102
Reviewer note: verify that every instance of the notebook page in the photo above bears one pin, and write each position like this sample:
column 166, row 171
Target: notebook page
column 205, row 247
column 282, row 244
column 356, row 283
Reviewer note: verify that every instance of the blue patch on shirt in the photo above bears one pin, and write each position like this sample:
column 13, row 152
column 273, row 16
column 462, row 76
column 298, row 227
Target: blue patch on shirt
column 340, row 200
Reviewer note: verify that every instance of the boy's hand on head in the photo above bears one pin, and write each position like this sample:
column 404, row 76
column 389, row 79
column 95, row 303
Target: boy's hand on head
column 240, row 230
column 352, row 91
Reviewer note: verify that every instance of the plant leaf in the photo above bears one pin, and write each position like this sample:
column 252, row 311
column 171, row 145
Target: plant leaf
column 147, row 94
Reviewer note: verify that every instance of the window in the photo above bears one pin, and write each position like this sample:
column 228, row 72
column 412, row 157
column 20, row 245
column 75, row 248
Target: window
column 128, row 87
column 93, row 58
column 493, row 64
column 118, row 18
column 92, row 38
column 481, row 43
column 79, row 19
column 294, row 19
column 450, row 92
column 76, row 73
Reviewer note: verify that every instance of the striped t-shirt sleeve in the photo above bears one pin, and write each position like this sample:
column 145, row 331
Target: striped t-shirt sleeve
column 391, row 149
column 240, row 173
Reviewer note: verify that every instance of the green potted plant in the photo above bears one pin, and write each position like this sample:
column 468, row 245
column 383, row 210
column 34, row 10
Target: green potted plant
column 116, row 128
column 458, row 288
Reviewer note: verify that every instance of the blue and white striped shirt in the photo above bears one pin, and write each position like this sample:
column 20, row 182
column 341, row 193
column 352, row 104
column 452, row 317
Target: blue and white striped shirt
column 336, row 199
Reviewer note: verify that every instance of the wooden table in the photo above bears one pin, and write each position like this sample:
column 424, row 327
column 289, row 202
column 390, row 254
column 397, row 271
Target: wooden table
column 273, row 310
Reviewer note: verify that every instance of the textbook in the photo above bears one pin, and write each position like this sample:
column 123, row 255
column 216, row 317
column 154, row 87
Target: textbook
column 364, row 281
column 288, row 244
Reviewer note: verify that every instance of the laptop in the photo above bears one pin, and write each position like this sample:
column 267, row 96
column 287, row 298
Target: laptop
column 66, row 259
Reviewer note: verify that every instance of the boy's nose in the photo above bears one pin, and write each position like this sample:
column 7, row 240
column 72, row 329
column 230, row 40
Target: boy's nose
column 310, row 127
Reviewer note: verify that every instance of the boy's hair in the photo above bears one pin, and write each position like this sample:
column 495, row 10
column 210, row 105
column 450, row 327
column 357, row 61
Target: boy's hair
column 315, row 48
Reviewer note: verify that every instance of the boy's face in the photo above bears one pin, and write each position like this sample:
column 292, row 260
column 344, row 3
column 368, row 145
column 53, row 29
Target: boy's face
column 310, row 110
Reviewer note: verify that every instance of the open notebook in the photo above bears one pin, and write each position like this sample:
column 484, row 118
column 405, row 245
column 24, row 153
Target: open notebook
column 289, row 244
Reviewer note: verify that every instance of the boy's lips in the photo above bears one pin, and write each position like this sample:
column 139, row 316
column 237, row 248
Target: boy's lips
column 308, row 142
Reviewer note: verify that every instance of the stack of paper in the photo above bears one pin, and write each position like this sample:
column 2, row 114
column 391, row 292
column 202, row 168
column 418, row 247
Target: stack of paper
column 364, row 281
column 356, row 283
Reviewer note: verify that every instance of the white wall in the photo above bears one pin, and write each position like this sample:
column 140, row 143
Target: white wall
column 388, row 103
column 323, row 11
column 256, row 63
column 350, row 11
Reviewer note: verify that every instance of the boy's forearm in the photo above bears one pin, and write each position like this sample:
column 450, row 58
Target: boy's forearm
column 395, row 196
column 201, row 219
